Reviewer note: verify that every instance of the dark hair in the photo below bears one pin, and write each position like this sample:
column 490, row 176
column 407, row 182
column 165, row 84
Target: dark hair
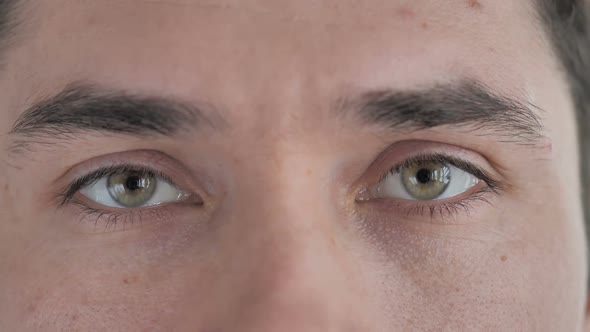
column 566, row 22
column 8, row 20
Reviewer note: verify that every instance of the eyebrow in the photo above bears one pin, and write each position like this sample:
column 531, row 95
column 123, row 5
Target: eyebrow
column 87, row 108
column 468, row 104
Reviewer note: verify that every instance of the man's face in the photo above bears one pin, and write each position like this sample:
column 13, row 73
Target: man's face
column 287, row 166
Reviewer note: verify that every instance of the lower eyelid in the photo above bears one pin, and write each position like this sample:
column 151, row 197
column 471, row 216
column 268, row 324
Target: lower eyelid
column 92, row 220
column 435, row 210
column 105, row 219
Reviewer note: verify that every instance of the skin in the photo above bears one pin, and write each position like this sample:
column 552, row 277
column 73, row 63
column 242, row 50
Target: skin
column 282, row 244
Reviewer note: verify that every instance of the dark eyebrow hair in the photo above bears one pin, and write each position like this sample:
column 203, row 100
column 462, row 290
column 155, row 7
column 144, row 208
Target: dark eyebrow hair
column 86, row 108
column 11, row 20
column 467, row 103
column 81, row 108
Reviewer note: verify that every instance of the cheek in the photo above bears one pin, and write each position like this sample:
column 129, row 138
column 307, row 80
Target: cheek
column 434, row 279
column 81, row 295
column 556, row 258
column 7, row 199
column 432, row 275
column 121, row 281
column 13, row 243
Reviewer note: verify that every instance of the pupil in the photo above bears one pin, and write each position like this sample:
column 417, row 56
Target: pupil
column 134, row 183
column 424, row 176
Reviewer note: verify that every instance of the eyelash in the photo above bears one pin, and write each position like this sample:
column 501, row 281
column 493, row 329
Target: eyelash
column 112, row 218
column 91, row 178
column 450, row 209
column 446, row 209
column 478, row 172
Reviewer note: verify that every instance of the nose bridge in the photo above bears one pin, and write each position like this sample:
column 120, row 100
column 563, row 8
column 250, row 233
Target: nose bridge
column 291, row 274
column 298, row 275
column 291, row 183
column 291, row 223
column 298, row 269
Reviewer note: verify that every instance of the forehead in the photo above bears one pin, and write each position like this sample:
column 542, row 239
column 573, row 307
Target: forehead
column 287, row 50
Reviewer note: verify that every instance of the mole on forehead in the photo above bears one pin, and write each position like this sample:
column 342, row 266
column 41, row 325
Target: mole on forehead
column 474, row 4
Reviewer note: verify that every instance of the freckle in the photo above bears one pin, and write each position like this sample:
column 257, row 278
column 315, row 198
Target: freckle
column 504, row 258
column 406, row 12
column 475, row 4
column 308, row 172
column 126, row 280
column 425, row 25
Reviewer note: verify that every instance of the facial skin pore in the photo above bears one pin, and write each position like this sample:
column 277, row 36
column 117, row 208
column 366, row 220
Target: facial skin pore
column 276, row 120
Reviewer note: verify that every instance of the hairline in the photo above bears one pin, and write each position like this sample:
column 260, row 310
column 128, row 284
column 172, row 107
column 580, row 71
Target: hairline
column 566, row 24
column 10, row 19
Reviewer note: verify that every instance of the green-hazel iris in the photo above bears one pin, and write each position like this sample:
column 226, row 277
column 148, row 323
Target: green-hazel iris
column 426, row 180
column 131, row 189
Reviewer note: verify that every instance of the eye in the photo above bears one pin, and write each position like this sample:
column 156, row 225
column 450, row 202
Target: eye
column 424, row 180
column 132, row 189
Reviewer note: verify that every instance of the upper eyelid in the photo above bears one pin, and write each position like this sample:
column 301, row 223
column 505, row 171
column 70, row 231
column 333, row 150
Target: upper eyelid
column 400, row 152
column 438, row 157
column 403, row 152
column 442, row 158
